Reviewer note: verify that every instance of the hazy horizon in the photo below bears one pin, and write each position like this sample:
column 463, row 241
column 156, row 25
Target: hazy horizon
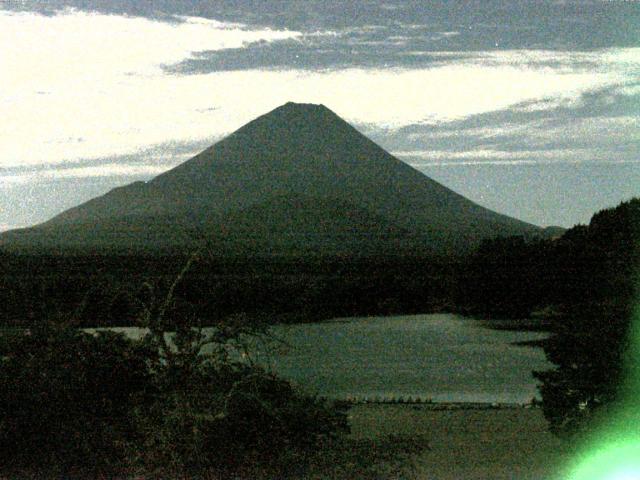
column 528, row 108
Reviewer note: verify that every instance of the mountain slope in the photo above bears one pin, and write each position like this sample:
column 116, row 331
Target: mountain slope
column 299, row 162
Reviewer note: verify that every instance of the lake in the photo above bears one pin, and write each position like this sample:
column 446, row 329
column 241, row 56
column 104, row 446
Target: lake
column 444, row 357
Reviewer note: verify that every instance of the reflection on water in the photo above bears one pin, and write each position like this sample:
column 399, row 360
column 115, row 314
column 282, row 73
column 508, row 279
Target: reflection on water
column 443, row 357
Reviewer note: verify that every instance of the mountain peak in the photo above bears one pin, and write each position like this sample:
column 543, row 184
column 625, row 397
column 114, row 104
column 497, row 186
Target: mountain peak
column 296, row 171
column 307, row 112
column 298, row 125
column 302, row 107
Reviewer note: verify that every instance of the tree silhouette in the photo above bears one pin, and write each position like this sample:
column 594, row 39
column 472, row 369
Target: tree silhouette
column 596, row 269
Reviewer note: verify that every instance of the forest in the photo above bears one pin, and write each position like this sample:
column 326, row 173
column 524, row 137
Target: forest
column 144, row 405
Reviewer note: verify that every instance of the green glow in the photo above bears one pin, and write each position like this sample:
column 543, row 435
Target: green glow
column 632, row 364
column 619, row 461
column 613, row 451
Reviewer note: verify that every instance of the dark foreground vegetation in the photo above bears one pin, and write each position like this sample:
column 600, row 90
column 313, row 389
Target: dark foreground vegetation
column 104, row 403
column 584, row 287
column 111, row 289
column 75, row 404
column 592, row 334
column 508, row 277
column 84, row 406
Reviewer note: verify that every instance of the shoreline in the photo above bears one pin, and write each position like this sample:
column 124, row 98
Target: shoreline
column 418, row 404
column 469, row 443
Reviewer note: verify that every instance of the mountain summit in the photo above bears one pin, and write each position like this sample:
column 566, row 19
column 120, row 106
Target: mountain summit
column 298, row 179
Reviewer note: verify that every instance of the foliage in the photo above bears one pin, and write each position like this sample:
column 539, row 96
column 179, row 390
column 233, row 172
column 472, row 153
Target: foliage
column 216, row 410
column 505, row 277
column 591, row 338
column 182, row 400
column 585, row 282
column 296, row 289
column 66, row 398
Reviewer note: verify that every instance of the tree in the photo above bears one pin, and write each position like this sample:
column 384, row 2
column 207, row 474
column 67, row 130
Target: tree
column 215, row 409
column 182, row 400
column 66, row 397
column 599, row 265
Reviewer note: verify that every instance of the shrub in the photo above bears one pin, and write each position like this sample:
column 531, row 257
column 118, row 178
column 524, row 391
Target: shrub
column 66, row 397
column 215, row 409
column 592, row 337
column 180, row 401
column 216, row 414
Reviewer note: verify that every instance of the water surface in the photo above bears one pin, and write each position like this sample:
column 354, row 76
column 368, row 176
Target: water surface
column 443, row 357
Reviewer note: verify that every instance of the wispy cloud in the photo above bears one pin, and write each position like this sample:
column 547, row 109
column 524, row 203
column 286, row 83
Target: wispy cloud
column 102, row 98
column 510, row 157
column 538, row 161
column 108, row 95
column 479, row 154
column 142, row 164
column 105, row 170
column 104, row 83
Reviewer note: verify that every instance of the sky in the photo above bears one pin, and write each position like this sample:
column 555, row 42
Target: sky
column 530, row 108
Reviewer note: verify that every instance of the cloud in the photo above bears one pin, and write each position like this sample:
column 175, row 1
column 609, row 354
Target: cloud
column 142, row 164
column 94, row 100
column 478, row 154
column 371, row 46
column 120, row 114
column 532, row 161
column 107, row 92
column 105, row 170
column 104, row 82
column 422, row 158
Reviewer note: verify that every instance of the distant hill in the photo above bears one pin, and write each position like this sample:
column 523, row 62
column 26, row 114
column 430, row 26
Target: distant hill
column 296, row 180
column 553, row 232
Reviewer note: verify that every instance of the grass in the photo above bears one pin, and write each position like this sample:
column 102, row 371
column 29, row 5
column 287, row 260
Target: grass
column 411, row 442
